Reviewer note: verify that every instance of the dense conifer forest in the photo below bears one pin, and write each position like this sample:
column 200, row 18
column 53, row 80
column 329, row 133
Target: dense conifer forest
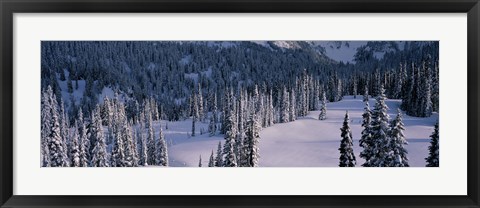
column 108, row 103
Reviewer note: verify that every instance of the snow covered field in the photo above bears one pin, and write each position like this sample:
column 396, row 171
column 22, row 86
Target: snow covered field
column 306, row 142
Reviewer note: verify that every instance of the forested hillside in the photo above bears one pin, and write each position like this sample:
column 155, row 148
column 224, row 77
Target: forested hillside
column 237, row 87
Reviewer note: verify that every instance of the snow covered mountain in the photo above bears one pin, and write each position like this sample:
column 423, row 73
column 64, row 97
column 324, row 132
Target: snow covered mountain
column 340, row 51
column 279, row 44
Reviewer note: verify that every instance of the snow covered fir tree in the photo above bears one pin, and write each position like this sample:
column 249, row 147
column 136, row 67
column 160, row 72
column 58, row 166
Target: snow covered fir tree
column 433, row 149
column 239, row 103
column 347, row 158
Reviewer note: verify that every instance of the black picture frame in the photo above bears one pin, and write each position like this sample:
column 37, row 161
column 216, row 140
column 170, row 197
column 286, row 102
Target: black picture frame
column 9, row 7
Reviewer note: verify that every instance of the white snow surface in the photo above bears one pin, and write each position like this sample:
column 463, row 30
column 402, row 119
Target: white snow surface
column 77, row 94
column 185, row 60
column 184, row 150
column 285, row 44
column 106, row 92
column 193, row 76
column 306, row 142
column 280, row 44
column 262, row 43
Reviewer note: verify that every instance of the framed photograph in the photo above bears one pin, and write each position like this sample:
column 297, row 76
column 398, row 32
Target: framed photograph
column 247, row 104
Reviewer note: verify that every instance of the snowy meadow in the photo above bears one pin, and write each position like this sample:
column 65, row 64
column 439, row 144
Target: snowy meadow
column 306, row 142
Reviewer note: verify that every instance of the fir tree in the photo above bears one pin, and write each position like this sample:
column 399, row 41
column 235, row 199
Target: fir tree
column 161, row 154
column 285, row 110
column 200, row 161
column 433, row 149
column 107, row 112
column 212, row 127
column 131, row 157
column 379, row 133
column 230, row 134
column 397, row 89
column 366, row 141
column 150, row 138
column 270, row 110
column 426, row 95
column 435, row 89
column 194, row 120
column 293, row 113
column 143, row 148
column 72, row 110
column 252, row 140
column 240, row 133
column 339, row 90
column 354, row 86
column 195, row 112
column 64, row 131
column 304, row 93
column 84, row 143
column 136, row 112
column 365, row 94
column 256, row 99
column 131, row 149
column 398, row 156
column 201, row 116
column 126, row 152
column 99, row 153
column 225, row 110
column 154, row 108
column 315, row 97
column 219, row 158
column 118, row 152
column 376, row 83
column 75, row 148
column 211, row 161
column 45, row 129
column 264, row 112
column 410, row 95
column 58, row 152
column 323, row 109
column 347, row 157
